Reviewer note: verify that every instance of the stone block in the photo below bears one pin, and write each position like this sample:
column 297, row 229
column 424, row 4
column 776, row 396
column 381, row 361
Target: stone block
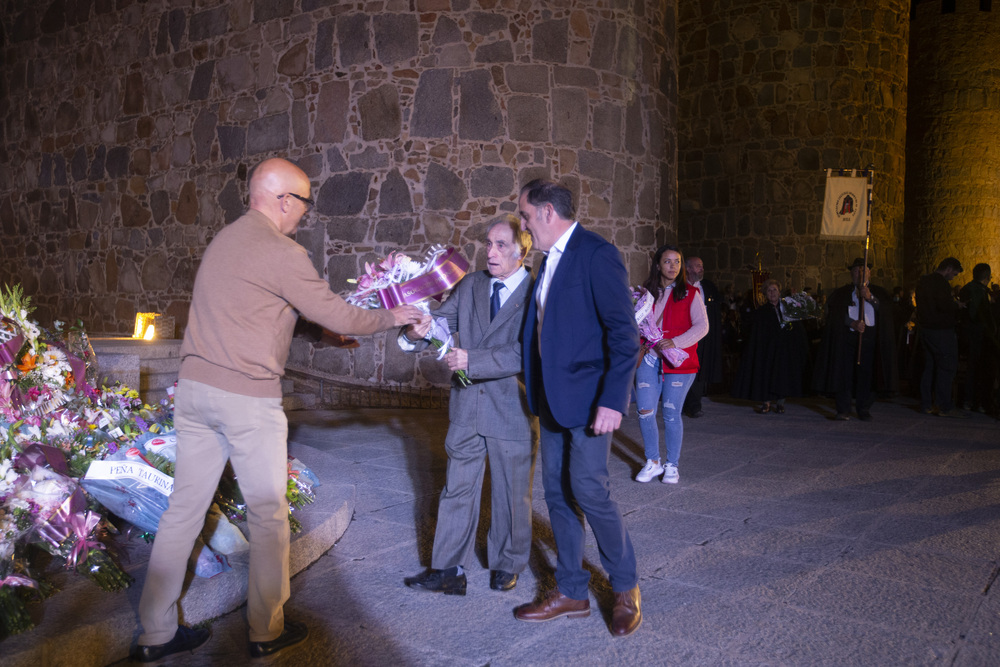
column 236, row 74
column 117, row 161
column 596, row 165
column 201, row 82
column 266, row 10
column 581, row 77
column 354, row 39
column 569, row 116
column 608, row 127
column 479, row 115
column 492, row 181
column 550, row 40
column 432, row 105
column 269, row 133
column 133, row 213
column 527, row 78
column 394, row 231
column 602, row 55
column 623, row 201
column 293, row 62
column 497, row 52
column 344, row 194
column 334, row 361
column 527, row 118
column 324, row 44
column 231, row 201
column 395, row 37
column 394, row 195
column 381, row 117
column 446, row 31
column 444, row 190
column 134, row 94
column 484, row 23
column 369, row 158
column 204, row 134
column 331, row 112
column 207, row 24
column 187, row 204
column 341, row 268
column 232, row 141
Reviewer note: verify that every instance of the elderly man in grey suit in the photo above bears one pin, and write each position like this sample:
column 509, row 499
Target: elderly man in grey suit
column 488, row 419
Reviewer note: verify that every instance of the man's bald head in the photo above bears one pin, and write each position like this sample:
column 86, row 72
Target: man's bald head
column 271, row 183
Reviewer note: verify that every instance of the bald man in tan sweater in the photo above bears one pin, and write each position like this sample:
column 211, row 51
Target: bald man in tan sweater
column 253, row 283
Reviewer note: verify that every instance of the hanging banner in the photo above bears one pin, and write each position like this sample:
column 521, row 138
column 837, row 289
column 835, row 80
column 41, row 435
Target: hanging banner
column 845, row 207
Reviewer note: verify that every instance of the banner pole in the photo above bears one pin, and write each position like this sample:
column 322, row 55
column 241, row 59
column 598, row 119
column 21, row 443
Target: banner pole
column 865, row 278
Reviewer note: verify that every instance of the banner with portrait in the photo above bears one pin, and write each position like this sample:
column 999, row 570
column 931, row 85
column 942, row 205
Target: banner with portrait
column 845, row 207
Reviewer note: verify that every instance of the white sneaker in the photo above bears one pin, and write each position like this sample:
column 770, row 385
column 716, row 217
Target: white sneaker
column 652, row 469
column 670, row 474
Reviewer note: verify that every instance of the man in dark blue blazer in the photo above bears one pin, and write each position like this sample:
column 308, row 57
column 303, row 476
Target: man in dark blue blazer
column 580, row 348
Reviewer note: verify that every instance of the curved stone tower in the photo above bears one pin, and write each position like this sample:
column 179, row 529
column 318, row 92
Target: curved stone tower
column 771, row 95
column 953, row 153
column 129, row 131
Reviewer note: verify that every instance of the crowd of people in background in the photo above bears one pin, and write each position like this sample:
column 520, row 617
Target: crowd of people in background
column 937, row 341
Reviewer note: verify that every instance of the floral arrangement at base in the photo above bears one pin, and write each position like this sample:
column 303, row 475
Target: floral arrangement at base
column 55, row 427
column 398, row 280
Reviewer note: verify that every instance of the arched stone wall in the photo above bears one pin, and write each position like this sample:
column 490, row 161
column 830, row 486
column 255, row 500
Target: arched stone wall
column 773, row 93
column 953, row 154
column 129, row 130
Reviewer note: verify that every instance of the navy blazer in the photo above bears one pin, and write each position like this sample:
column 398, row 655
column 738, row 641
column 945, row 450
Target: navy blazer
column 589, row 341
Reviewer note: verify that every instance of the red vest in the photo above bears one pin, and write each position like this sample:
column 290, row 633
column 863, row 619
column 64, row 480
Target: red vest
column 677, row 320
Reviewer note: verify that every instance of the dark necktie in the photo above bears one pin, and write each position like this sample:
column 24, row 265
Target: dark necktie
column 495, row 299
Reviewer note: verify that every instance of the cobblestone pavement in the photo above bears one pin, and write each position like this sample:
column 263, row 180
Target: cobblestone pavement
column 790, row 540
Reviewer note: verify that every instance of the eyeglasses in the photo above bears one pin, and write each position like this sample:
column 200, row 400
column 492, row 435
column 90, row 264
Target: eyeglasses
column 305, row 200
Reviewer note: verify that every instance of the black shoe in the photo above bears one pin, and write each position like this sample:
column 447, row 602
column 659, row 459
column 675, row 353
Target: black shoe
column 185, row 639
column 449, row 581
column 294, row 633
column 842, row 417
column 865, row 416
column 696, row 414
column 502, row 581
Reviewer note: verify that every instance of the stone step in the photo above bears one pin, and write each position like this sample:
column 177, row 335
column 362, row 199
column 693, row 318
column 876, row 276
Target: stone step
column 298, row 401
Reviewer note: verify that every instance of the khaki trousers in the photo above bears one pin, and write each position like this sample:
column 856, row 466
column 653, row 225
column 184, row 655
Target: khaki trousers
column 214, row 426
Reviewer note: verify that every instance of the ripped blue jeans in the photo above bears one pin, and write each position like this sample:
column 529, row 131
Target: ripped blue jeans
column 653, row 387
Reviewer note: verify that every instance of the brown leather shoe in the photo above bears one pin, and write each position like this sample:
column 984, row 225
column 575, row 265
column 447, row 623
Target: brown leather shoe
column 626, row 616
column 553, row 605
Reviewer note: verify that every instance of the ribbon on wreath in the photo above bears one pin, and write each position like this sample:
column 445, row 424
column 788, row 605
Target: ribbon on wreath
column 82, row 523
column 446, row 269
column 10, row 348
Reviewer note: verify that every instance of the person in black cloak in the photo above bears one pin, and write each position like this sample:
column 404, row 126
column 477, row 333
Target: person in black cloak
column 837, row 370
column 774, row 358
column 709, row 347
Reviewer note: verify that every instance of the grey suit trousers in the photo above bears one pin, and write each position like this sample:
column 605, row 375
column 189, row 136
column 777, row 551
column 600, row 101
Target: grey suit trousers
column 508, row 543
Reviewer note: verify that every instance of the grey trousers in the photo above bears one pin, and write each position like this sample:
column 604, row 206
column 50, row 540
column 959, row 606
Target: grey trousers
column 508, row 543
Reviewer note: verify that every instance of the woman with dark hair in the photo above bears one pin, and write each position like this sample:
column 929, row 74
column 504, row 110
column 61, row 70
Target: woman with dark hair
column 669, row 365
column 774, row 359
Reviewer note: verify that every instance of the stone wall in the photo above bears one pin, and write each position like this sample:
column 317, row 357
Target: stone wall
column 129, row 128
column 952, row 158
column 772, row 93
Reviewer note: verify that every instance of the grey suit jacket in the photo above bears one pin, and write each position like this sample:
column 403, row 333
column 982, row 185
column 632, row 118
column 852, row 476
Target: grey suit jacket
column 494, row 404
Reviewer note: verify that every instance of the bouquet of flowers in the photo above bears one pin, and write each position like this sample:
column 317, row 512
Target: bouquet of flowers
column 398, row 280
column 649, row 330
column 799, row 306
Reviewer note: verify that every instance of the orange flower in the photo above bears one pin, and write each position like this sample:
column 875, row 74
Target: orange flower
column 70, row 380
column 28, row 363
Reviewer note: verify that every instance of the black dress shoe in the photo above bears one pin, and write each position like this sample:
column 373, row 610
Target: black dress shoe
column 449, row 581
column 185, row 639
column 865, row 416
column 502, row 581
column 294, row 633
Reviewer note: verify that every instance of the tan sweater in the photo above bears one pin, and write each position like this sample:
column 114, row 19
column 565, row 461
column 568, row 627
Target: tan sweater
column 251, row 287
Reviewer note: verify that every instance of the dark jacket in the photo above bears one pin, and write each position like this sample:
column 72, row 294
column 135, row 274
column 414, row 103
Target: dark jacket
column 936, row 307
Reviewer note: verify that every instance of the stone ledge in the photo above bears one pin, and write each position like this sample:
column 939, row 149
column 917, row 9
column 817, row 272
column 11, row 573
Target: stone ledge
column 83, row 626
